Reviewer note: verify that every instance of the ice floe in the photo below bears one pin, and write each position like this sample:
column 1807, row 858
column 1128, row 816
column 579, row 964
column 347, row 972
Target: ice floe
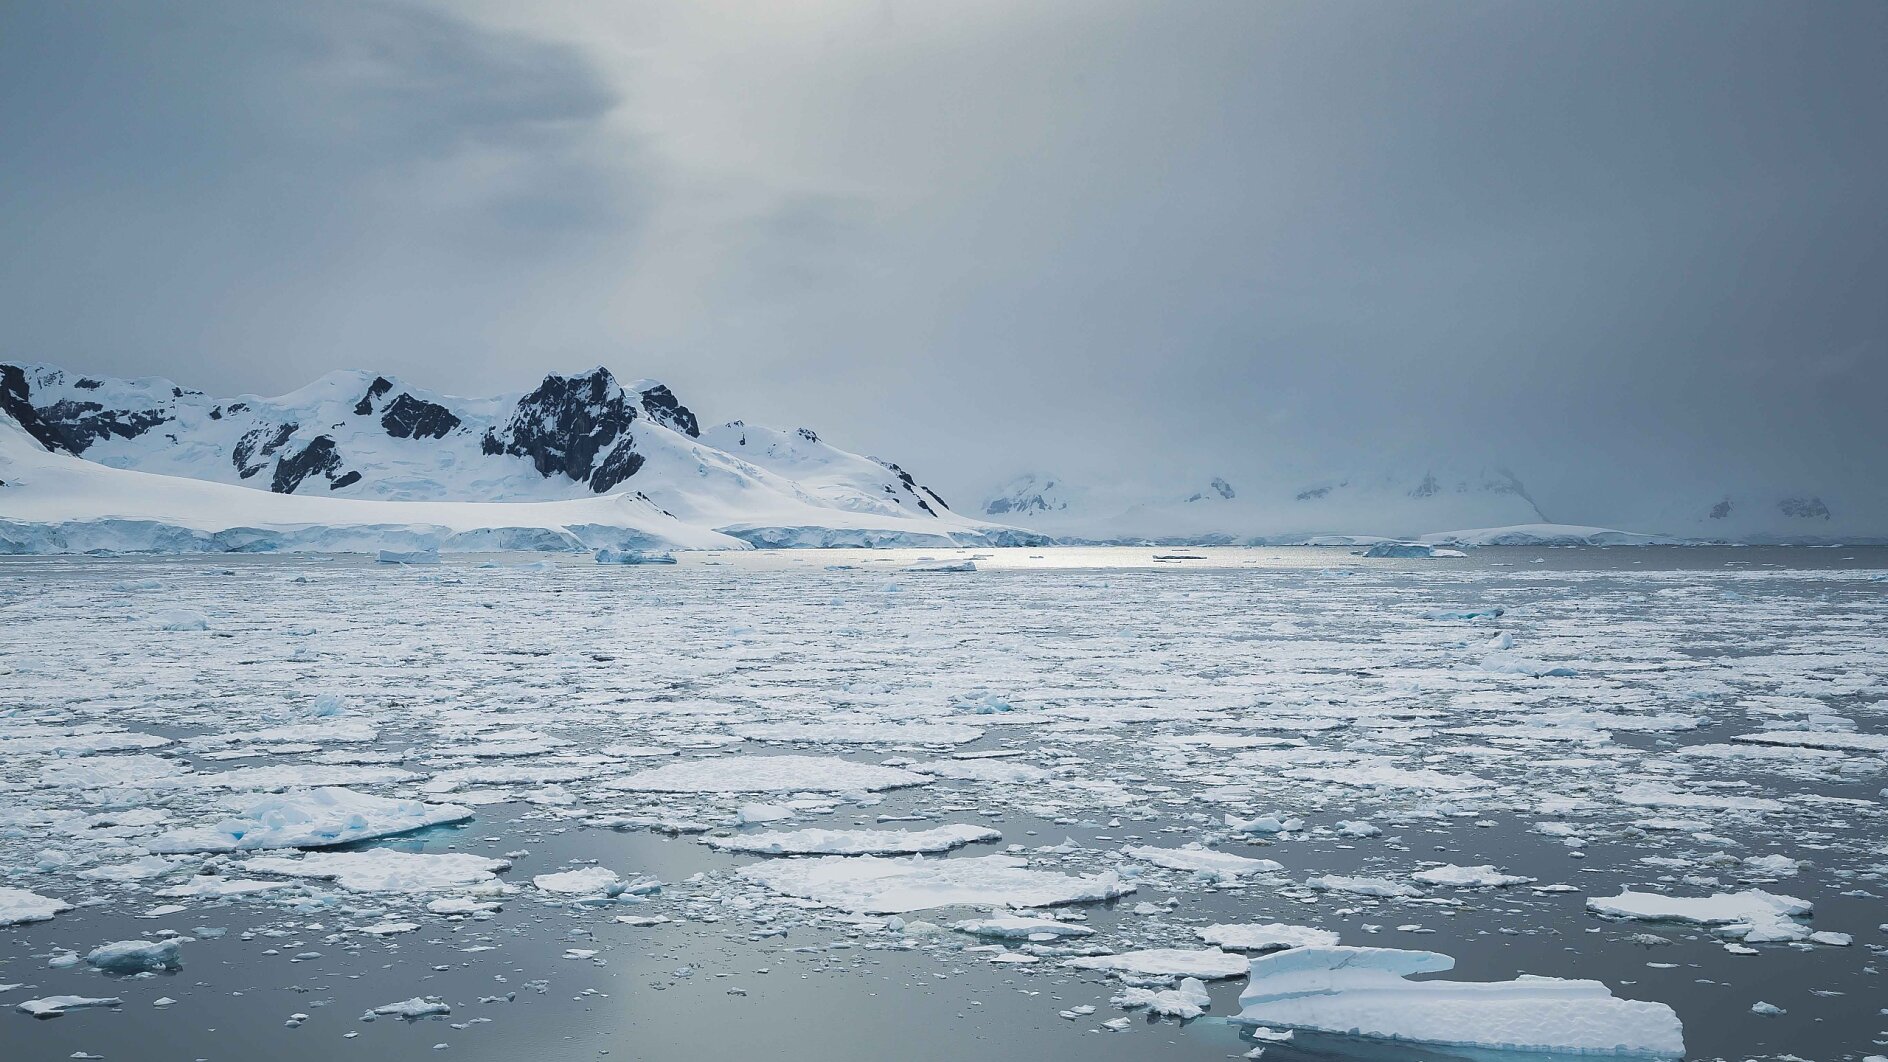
column 876, row 885
column 766, row 774
column 382, row 869
column 316, row 818
column 856, row 842
column 1365, row 992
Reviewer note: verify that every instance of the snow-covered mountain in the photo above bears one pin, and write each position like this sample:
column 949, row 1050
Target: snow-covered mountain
column 1465, row 504
column 356, row 447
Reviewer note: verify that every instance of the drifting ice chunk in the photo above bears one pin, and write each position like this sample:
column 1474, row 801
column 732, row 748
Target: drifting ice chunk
column 310, row 818
column 1265, row 936
column 589, row 881
column 1203, row 860
column 1188, row 1001
column 1752, row 915
column 1468, row 877
column 1649, row 795
column 54, row 1006
column 1020, row 927
column 1362, row 992
column 1411, row 550
column 383, row 869
column 1263, row 824
column 137, row 956
column 413, row 1009
column 19, row 905
column 109, row 772
column 857, row 842
column 1167, row 962
column 874, row 885
column 766, row 774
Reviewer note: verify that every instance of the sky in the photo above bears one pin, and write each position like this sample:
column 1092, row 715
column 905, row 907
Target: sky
column 1615, row 247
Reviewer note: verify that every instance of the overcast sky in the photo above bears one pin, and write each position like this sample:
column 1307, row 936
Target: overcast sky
column 1608, row 245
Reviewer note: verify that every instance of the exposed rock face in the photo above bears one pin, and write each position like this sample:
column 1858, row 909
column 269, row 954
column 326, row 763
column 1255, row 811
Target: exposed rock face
column 263, row 442
column 317, row 458
column 1804, row 508
column 661, row 406
column 415, row 418
column 69, row 425
column 573, row 426
column 380, row 386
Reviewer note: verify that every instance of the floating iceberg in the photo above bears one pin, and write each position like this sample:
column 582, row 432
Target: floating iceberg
column 587, row 881
column 857, row 842
column 1363, row 992
column 1020, row 927
column 1410, row 549
column 874, row 885
column 399, row 556
column 310, row 818
column 137, row 956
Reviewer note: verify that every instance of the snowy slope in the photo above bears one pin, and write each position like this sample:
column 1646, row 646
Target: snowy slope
column 354, row 449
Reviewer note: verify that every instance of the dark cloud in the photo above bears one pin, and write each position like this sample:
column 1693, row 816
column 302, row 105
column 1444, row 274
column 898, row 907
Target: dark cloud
column 1616, row 246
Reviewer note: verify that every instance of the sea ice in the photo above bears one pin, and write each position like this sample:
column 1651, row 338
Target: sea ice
column 1210, row 963
column 1468, row 877
column 310, row 818
column 1020, row 927
column 1264, row 936
column 766, row 774
column 587, row 881
column 1203, row 860
column 54, row 1006
column 1753, row 915
column 856, row 842
column 383, row 869
column 1363, row 992
column 19, row 905
column 1360, row 886
column 875, row 885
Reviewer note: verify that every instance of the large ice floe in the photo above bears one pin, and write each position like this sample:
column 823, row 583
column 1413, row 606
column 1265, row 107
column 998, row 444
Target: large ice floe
column 20, row 905
column 874, row 885
column 314, row 818
column 1366, row 992
column 1753, row 916
column 856, row 842
column 382, row 869
column 766, row 774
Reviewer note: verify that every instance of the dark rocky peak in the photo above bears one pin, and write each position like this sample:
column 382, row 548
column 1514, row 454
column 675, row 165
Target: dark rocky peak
column 69, row 425
column 1216, row 488
column 575, row 426
column 250, row 453
column 415, row 418
column 319, row 457
column 380, row 386
column 917, row 490
column 812, row 436
column 660, row 405
column 1804, row 508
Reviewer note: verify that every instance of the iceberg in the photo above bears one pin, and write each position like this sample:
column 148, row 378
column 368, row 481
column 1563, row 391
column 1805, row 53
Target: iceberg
column 1203, row 861
column 137, row 956
column 1264, row 936
column 1209, row 963
column 383, row 869
column 1753, row 915
column 1365, row 992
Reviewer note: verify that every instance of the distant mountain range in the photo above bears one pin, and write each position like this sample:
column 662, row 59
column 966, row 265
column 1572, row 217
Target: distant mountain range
column 362, row 461
column 582, row 460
